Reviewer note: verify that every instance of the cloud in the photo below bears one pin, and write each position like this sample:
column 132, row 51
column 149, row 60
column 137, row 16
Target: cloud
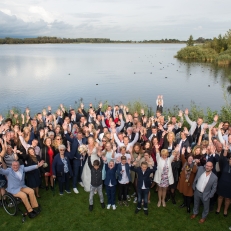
column 42, row 13
column 13, row 26
column 115, row 19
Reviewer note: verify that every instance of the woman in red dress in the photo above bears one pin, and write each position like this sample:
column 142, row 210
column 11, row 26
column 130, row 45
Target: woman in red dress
column 47, row 153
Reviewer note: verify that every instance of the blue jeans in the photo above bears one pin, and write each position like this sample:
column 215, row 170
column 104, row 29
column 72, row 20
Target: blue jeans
column 142, row 194
column 111, row 191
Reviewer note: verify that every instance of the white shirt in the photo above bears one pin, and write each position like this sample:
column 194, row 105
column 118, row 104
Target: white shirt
column 202, row 182
column 19, row 175
column 143, row 186
column 110, row 185
column 128, row 156
column 124, row 179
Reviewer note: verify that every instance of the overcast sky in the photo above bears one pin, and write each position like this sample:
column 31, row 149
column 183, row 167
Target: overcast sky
column 115, row 19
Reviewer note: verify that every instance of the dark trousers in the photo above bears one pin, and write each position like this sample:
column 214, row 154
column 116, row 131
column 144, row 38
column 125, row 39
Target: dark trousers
column 123, row 190
column 142, row 194
column 66, row 183
column 187, row 201
column 111, row 194
column 77, row 172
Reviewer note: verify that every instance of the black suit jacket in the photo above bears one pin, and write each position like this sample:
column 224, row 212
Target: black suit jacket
column 143, row 177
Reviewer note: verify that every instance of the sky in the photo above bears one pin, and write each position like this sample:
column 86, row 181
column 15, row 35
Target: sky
column 115, row 19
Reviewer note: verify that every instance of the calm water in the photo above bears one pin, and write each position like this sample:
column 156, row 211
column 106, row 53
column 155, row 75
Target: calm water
column 50, row 74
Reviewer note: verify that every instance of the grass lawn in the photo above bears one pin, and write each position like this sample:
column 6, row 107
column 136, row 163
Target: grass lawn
column 70, row 212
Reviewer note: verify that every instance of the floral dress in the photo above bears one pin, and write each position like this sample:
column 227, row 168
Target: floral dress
column 164, row 176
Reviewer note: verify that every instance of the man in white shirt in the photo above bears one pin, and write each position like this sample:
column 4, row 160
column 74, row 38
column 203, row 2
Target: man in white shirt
column 122, row 153
column 204, row 186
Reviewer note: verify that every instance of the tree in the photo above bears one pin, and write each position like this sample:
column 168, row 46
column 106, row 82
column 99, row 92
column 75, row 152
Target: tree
column 190, row 41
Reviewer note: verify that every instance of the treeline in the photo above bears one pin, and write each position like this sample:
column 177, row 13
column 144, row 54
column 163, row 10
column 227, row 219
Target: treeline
column 217, row 50
column 45, row 39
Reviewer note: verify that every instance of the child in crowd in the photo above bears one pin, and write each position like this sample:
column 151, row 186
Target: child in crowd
column 110, row 182
column 96, row 181
column 143, row 185
column 124, row 177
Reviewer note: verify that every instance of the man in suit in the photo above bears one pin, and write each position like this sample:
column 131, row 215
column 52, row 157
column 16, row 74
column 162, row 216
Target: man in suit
column 196, row 126
column 78, row 160
column 183, row 142
column 204, row 186
column 16, row 185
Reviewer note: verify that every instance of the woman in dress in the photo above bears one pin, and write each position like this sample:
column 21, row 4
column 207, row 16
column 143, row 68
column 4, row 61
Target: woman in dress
column 33, row 177
column 86, row 174
column 163, row 175
column 186, row 179
column 47, row 154
column 224, row 183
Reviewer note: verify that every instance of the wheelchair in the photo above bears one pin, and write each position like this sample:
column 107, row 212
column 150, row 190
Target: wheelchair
column 11, row 205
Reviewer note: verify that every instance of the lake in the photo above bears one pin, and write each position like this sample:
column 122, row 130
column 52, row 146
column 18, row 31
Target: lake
column 50, row 74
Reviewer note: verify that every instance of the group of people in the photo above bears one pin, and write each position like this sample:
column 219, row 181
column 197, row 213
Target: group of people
column 116, row 149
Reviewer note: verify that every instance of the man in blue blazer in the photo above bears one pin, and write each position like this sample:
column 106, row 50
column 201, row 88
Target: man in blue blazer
column 110, row 182
column 143, row 184
column 78, row 160
column 124, row 177
column 16, row 185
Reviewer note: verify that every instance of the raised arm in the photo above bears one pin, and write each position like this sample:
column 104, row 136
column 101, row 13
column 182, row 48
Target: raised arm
column 215, row 119
column 23, row 142
column 135, row 139
column 89, row 162
column 3, row 152
column 118, row 129
column 117, row 140
column 187, row 118
column 220, row 137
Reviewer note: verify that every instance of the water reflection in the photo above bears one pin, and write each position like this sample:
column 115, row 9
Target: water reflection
column 50, row 74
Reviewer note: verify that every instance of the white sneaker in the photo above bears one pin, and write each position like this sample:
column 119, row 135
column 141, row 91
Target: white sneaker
column 95, row 192
column 81, row 183
column 128, row 198
column 133, row 195
column 135, row 200
column 75, row 190
column 113, row 207
column 108, row 206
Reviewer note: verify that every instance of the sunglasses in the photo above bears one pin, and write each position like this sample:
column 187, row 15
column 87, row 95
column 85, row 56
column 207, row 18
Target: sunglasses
column 58, row 139
column 62, row 150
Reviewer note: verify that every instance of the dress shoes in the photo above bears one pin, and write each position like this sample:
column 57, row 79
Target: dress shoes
column 202, row 220
column 32, row 214
column 193, row 216
column 182, row 205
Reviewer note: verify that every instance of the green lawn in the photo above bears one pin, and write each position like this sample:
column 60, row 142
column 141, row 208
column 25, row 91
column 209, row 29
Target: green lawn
column 70, row 212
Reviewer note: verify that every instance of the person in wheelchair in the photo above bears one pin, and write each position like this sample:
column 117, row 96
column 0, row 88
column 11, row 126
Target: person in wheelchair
column 16, row 185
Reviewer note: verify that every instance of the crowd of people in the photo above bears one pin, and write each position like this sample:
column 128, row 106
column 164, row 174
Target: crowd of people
column 127, row 153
